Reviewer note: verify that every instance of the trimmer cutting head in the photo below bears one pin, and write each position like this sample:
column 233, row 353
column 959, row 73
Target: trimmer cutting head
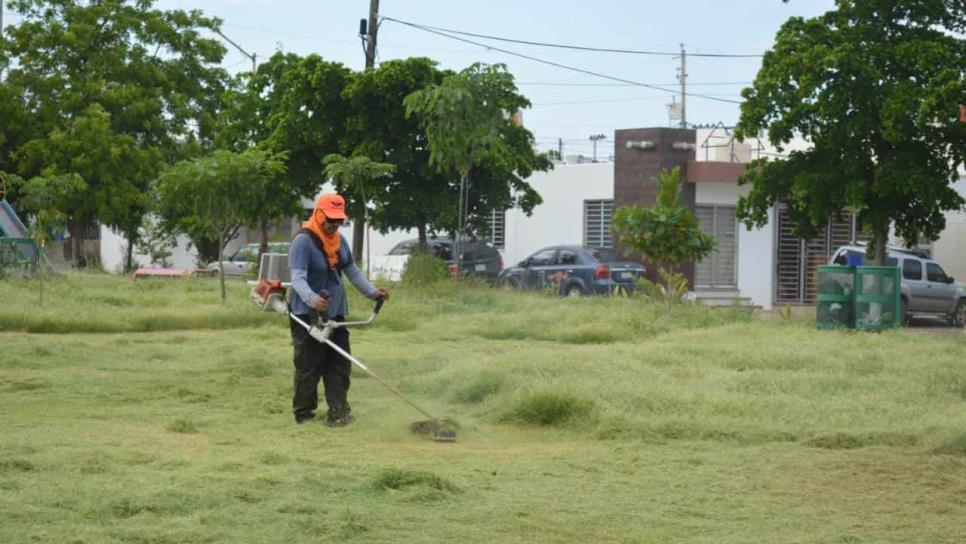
column 439, row 431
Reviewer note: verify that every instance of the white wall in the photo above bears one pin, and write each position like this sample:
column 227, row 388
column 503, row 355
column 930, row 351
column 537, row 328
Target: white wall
column 113, row 252
column 950, row 249
column 756, row 248
column 560, row 219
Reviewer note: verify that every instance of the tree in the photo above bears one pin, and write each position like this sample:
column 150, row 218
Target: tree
column 115, row 80
column 294, row 105
column 379, row 128
column 45, row 198
column 358, row 179
column 667, row 232
column 874, row 86
column 212, row 196
column 467, row 121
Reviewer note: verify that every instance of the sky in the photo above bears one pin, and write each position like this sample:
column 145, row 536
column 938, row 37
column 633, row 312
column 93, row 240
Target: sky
column 566, row 105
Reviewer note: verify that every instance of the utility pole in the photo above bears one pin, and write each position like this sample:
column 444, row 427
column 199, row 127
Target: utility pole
column 596, row 138
column 559, row 146
column 369, row 36
column 368, row 33
column 683, row 78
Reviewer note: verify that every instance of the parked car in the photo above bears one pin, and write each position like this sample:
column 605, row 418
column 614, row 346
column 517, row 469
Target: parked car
column 480, row 258
column 244, row 260
column 926, row 289
column 578, row 270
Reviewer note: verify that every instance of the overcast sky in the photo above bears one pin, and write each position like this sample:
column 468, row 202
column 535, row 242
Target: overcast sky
column 566, row 104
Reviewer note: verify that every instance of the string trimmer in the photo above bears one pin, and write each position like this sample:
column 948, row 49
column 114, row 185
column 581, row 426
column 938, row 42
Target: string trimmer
column 269, row 295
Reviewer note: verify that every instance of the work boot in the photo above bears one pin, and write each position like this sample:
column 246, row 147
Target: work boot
column 340, row 421
column 302, row 419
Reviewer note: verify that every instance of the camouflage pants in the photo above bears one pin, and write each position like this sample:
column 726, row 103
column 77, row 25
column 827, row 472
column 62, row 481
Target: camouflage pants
column 314, row 361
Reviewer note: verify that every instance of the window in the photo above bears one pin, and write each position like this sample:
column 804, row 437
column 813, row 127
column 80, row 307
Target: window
column 497, row 226
column 567, row 256
column 911, row 269
column 542, row 258
column 597, row 220
column 935, row 273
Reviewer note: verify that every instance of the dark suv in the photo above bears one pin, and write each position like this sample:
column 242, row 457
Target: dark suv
column 480, row 257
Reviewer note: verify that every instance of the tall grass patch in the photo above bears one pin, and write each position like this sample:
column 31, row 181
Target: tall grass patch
column 549, row 408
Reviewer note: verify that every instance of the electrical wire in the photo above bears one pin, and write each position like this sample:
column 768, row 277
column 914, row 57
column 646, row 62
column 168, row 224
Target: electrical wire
column 573, row 47
column 563, row 66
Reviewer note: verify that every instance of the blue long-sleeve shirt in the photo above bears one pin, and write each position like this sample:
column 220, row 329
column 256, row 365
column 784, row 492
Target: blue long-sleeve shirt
column 311, row 273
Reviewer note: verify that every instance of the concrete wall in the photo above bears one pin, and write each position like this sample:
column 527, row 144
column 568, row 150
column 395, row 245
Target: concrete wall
column 756, row 247
column 950, row 249
column 559, row 220
column 113, row 252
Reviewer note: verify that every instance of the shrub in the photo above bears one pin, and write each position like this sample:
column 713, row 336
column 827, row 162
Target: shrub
column 423, row 268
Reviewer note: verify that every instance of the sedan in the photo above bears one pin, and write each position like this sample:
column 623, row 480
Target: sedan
column 578, row 271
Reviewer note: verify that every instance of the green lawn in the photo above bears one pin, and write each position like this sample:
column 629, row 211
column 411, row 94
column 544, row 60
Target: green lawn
column 149, row 412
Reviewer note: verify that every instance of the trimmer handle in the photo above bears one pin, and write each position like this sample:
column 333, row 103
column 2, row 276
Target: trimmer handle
column 378, row 307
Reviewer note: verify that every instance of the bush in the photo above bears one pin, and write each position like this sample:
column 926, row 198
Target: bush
column 423, row 268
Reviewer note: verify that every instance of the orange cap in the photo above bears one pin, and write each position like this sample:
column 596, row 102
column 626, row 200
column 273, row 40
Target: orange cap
column 332, row 205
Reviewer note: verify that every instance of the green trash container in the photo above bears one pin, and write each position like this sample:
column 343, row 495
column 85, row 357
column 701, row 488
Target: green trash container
column 878, row 298
column 835, row 305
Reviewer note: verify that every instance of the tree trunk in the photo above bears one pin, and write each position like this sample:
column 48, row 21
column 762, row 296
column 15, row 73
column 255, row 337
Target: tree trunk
column 221, row 264
column 263, row 240
column 43, row 254
column 358, row 235
column 421, row 229
column 129, row 254
column 460, row 225
column 76, row 229
column 881, row 231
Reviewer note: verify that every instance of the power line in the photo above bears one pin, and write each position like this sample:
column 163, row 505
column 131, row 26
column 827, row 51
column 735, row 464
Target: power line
column 565, row 84
column 573, row 47
column 557, row 64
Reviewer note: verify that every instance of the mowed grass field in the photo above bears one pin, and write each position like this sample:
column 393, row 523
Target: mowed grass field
column 151, row 413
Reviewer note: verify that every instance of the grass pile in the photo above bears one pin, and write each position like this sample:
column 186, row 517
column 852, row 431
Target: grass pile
column 595, row 419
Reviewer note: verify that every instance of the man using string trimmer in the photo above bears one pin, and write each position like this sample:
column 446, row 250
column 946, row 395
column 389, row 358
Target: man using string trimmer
column 318, row 258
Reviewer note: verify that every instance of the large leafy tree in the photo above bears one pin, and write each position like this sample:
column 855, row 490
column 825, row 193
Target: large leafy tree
column 224, row 190
column 378, row 128
column 467, row 120
column 109, row 91
column 294, row 105
column 874, row 86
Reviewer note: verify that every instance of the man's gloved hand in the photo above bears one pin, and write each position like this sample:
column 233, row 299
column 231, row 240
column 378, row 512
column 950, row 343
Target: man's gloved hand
column 322, row 302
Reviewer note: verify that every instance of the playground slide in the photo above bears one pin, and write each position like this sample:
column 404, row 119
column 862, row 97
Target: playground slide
column 12, row 227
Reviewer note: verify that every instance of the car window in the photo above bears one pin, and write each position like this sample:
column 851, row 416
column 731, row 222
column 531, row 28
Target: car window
column 840, row 259
column 602, row 255
column 891, row 261
column 542, row 257
column 403, row 248
column 911, row 269
column 935, row 273
column 443, row 251
column 567, row 256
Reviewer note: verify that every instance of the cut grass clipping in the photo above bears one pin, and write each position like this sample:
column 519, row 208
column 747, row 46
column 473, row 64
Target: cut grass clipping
column 421, row 486
column 549, row 409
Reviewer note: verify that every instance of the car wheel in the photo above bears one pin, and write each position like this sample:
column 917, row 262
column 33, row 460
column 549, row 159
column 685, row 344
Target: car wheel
column 904, row 312
column 958, row 317
column 574, row 291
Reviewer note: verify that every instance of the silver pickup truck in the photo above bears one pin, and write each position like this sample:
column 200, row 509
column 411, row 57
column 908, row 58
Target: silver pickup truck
column 926, row 289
